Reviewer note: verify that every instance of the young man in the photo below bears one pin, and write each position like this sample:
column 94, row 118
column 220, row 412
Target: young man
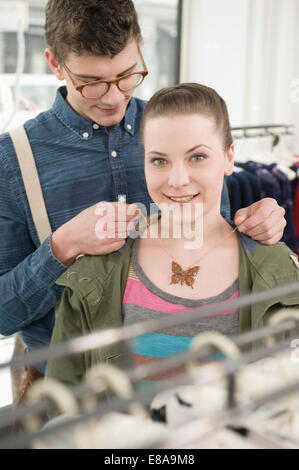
column 87, row 151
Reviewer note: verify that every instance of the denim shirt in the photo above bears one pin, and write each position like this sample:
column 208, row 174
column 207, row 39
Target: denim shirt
column 79, row 164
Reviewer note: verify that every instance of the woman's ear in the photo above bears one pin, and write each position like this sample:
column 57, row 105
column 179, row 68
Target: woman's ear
column 54, row 64
column 230, row 158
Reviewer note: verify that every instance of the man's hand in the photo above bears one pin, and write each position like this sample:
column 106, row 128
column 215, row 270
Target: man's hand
column 98, row 230
column 263, row 221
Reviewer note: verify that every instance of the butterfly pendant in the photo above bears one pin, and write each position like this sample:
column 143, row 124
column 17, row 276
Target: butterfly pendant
column 179, row 275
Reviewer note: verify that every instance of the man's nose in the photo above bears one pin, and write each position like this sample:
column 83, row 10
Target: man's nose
column 179, row 176
column 113, row 96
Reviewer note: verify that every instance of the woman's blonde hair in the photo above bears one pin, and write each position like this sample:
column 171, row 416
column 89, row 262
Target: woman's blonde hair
column 189, row 98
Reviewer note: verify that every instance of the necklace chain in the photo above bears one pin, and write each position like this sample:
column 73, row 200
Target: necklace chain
column 188, row 276
column 204, row 254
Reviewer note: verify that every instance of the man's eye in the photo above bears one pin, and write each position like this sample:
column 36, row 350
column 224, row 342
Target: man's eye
column 86, row 82
column 83, row 82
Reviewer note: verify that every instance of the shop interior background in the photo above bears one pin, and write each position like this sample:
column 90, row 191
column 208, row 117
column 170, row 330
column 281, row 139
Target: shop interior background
column 245, row 49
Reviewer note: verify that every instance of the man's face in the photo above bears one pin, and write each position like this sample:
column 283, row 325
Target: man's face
column 110, row 108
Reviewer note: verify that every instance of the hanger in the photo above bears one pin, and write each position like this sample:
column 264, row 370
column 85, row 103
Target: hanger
column 115, row 380
column 104, row 338
column 66, row 404
column 142, row 395
column 9, row 416
column 116, row 429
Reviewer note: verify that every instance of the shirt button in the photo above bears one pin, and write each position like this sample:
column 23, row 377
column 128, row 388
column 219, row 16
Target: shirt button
column 85, row 135
column 96, row 126
column 129, row 127
column 113, row 154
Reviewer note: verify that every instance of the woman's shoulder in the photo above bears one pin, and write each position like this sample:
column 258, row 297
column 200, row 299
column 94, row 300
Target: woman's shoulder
column 90, row 271
column 276, row 261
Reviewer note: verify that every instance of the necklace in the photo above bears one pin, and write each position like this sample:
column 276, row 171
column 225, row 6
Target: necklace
column 188, row 277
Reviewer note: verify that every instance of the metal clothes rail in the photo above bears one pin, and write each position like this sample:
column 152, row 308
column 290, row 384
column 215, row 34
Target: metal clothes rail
column 266, row 130
column 9, row 416
column 104, row 338
column 230, row 366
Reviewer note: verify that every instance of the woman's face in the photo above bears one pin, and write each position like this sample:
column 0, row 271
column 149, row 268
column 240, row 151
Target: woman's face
column 185, row 162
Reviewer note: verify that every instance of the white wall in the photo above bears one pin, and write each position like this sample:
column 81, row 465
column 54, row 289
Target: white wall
column 247, row 51
column 215, row 40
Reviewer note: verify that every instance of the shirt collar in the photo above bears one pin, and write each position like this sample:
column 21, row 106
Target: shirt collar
column 130, row 117
column 82, row 126
column 69, row 117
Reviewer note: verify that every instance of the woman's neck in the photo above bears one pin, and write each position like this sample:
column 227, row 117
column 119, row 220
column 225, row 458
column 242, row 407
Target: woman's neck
column 208, row 231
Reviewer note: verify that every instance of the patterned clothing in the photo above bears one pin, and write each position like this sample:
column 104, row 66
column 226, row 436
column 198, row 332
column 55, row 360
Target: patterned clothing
column 94, row 289
column 143, row 300
column 77, row 169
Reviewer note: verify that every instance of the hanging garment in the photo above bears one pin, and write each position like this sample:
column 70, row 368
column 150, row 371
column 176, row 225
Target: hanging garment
column 269, row 181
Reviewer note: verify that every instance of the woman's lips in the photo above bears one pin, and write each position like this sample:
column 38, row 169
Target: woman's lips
column 178, row 199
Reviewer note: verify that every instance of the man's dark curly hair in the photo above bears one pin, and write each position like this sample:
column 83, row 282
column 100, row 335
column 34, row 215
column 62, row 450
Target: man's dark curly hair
column 93, row 27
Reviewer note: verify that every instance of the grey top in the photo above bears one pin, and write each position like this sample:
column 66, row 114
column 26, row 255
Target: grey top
column 226, row 322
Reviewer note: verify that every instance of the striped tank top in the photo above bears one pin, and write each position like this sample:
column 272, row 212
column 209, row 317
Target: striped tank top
column 143, row 301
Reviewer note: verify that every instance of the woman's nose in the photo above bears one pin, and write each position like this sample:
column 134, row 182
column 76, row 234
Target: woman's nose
column 179, row 176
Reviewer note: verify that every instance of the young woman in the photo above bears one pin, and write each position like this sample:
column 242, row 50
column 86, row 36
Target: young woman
column 188, row 149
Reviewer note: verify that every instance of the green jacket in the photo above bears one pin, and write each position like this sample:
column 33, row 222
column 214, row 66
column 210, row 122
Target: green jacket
column 94, row 289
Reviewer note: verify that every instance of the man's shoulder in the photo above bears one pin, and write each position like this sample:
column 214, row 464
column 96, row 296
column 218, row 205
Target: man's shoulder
column 140, row 104
column 43, row 127
column 32, row 126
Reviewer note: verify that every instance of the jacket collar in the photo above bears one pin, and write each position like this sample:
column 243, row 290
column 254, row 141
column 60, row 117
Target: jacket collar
column 248, row 243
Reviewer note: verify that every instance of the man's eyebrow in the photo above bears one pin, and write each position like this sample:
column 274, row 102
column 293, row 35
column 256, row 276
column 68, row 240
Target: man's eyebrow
column 90, row 77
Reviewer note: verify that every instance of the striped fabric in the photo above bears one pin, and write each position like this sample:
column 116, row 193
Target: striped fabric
column 145, row 301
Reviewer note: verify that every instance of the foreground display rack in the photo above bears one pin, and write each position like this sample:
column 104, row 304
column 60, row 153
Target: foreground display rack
column 84, row 414
column 234, row 415
column 107, row 337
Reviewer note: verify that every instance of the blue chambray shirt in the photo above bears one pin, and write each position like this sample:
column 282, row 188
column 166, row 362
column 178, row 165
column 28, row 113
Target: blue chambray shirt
column 79, row 164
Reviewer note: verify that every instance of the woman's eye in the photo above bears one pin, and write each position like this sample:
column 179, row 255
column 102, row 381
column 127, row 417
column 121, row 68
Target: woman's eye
column 198, row 158
column 158, row 161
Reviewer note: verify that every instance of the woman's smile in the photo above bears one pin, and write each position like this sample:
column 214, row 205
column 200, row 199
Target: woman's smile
column 182, row 199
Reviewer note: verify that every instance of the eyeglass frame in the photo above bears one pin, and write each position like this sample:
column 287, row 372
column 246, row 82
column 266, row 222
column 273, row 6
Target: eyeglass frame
column 79, row 88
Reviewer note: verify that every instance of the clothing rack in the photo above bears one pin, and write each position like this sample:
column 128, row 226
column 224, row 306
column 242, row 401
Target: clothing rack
column 266, row 166
column 178, row 436
column 221, row 419
column 229, row 366
column 123, row 334
column 266, row 130
column 7, row 417
column 102, row 339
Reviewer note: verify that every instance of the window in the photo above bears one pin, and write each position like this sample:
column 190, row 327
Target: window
column 159, row 21
column 159, row 24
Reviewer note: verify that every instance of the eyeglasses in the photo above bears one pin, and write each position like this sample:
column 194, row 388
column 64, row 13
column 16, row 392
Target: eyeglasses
column 98, row 88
